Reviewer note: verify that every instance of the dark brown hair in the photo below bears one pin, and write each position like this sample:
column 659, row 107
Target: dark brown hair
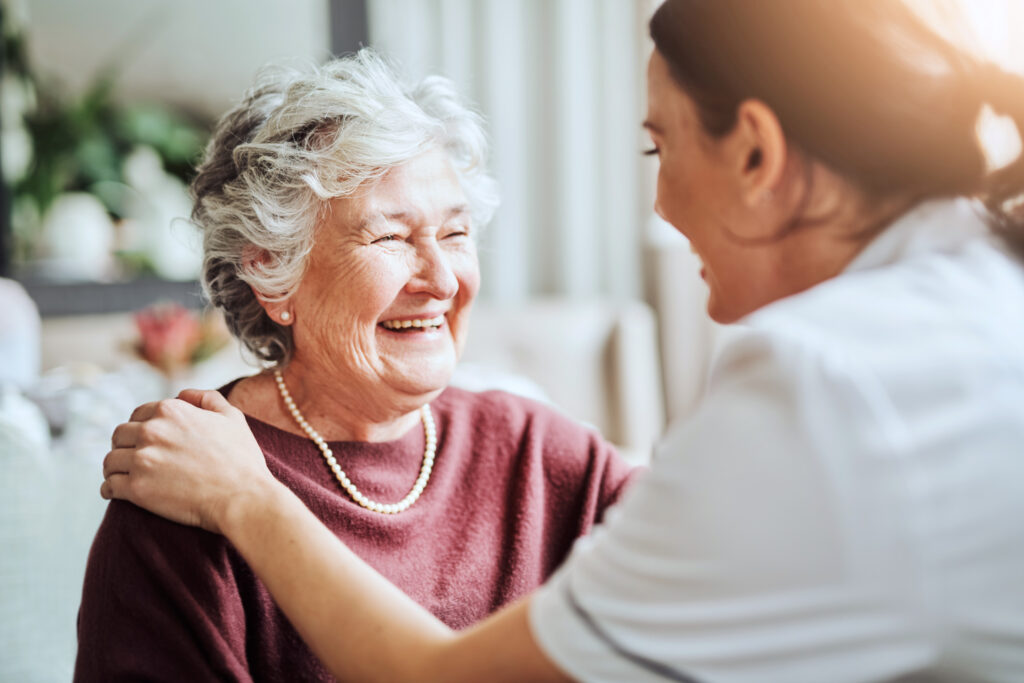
column 864, row 87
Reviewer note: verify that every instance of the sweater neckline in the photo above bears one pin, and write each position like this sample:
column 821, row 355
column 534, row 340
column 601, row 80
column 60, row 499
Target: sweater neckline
column 411, row 441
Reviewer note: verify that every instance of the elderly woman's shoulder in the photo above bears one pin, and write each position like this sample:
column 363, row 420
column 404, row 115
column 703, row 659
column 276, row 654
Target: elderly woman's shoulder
column 501, row 412
column 504, row 429
column 130, row 538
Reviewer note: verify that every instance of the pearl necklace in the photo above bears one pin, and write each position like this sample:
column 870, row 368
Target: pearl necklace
column 429, row 432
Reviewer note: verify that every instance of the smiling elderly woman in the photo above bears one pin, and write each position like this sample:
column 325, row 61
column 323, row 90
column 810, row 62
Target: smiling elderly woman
column 338, row 210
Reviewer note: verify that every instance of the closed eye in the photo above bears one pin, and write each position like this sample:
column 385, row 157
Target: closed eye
column 651, row 152
column 457, row 233
column 385, row 238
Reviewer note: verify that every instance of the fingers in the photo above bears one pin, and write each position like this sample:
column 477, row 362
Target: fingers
column 118, row 461
column 144, row 412
column 115, row 486
column 193, row 396
column 125, row 435
column 207, row 400
column 139, row 434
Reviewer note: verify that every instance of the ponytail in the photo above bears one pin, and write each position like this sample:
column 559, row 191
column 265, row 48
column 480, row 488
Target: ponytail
column 1003, row 190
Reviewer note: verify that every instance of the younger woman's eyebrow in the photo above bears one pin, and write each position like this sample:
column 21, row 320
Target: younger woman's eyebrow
column 651, row 126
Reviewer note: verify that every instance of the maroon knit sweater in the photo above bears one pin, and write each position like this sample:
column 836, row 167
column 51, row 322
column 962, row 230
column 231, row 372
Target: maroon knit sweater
column 513, row 484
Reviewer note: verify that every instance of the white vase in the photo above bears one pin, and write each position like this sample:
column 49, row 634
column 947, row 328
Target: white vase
column 77, row 238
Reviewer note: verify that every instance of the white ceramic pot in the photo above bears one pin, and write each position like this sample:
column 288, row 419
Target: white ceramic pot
column 77, row 238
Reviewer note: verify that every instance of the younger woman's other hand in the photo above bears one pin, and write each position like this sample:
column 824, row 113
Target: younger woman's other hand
column 187, row 459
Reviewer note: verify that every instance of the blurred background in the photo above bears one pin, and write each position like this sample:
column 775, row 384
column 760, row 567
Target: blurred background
column 588, row 301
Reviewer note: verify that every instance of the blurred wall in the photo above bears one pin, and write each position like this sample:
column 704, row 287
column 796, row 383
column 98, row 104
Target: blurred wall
column 194, row 53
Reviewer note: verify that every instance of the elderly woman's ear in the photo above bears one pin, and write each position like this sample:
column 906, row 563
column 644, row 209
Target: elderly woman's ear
column 253, row 259
column 280, row 315
column 279, row 311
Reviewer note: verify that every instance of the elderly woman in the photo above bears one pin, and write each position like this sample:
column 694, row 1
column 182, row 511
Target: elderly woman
column 339, row 211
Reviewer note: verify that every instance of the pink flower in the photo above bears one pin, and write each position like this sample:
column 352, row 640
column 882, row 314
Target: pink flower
column 169, row 336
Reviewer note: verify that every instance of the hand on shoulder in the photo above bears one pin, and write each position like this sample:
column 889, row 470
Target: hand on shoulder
column 191, row 459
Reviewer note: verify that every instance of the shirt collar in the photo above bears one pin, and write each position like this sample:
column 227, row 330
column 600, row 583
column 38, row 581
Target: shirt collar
column 935, row 225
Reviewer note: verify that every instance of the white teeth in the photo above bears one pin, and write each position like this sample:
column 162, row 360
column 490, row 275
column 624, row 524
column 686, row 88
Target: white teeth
column 402, row 324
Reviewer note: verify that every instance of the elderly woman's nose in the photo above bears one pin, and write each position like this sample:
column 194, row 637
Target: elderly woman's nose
column 434, row 273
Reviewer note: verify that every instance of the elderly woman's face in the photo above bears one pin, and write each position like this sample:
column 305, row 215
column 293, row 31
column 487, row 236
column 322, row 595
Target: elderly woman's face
column 385, row 301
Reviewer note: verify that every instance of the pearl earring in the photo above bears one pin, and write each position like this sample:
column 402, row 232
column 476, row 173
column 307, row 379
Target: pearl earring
column 285, row 316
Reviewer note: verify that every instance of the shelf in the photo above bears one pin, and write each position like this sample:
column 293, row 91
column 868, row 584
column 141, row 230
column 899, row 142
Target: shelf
column 84, row 298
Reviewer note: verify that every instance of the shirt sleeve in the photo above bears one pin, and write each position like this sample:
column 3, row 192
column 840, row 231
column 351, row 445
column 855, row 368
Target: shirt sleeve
column 159, row 603
column 616, row 478
column 606, row 479
column 734, row 557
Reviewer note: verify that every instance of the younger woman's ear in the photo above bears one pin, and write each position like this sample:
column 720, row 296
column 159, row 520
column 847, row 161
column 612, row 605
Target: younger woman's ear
column 754, row 159
column 761, row 152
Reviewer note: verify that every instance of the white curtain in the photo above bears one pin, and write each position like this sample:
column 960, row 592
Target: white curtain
column 560, row 83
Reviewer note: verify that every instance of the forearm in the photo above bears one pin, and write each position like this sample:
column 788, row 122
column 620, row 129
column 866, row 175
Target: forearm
column 354, row 620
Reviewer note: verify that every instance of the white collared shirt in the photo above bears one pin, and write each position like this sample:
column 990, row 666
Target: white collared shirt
column 847, row 504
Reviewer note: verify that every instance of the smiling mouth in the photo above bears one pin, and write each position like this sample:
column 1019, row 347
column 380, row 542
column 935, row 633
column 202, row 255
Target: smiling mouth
column 413, row 324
